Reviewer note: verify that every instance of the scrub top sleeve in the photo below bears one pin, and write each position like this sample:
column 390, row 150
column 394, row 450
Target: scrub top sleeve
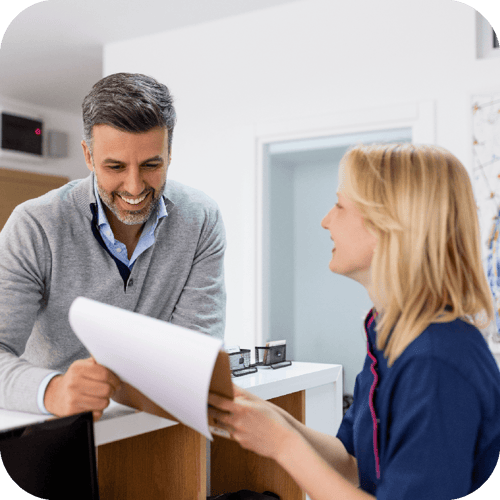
column 430, row 436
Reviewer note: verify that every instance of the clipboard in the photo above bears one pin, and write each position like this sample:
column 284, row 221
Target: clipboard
column 167, row 372
column 220, row 384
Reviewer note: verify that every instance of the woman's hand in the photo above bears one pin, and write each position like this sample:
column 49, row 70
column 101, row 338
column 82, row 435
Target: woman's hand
column 253, row 422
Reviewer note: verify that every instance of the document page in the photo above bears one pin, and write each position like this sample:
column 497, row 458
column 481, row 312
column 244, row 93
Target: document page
column 169, row 364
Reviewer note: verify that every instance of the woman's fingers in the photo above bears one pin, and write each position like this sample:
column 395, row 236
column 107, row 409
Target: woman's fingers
column 224, row 403
column 251, row 421
column 220, row 402
column 239, row 392
column 220, row 419
column 217, row 414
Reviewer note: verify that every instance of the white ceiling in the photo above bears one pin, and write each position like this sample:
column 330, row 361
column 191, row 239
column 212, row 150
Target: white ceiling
column 51, row 53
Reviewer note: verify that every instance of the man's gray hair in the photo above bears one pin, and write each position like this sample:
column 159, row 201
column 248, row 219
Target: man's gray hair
column 130, row 102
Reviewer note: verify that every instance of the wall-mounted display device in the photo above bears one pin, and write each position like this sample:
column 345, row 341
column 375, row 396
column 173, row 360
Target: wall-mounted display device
column 21, row 136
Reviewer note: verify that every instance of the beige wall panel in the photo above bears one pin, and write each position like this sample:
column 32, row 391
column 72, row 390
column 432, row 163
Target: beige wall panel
column 17, row 186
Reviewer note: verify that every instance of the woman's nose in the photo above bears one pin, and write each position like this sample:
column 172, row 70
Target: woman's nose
column 325, row 220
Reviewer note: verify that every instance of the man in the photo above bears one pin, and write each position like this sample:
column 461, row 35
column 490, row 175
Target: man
column 123, row 236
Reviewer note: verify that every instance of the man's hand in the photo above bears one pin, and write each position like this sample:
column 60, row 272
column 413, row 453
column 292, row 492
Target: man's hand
column 86, row 386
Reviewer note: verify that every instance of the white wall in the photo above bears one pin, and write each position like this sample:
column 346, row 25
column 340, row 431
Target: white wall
column 308, row 58
column 74, row 165
column 329, row 308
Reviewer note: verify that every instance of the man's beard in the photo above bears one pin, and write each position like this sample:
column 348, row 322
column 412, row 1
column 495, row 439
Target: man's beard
column 131, row 217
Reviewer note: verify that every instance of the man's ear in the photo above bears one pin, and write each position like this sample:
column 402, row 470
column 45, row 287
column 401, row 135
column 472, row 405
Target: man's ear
column 88, row 156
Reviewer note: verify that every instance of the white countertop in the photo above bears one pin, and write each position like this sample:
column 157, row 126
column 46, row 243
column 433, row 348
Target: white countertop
column 120, row 422
column 268, row 383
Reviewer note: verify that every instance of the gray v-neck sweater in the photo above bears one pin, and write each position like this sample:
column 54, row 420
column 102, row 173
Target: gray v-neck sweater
column 49, row 256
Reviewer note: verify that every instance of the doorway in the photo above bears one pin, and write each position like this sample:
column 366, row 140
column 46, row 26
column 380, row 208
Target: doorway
column 318, row 313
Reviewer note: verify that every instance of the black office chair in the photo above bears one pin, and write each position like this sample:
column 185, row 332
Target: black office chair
column 55, row 459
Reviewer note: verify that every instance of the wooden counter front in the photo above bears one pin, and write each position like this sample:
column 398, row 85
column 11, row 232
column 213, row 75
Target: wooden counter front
column 162, row 464
column 234, row 469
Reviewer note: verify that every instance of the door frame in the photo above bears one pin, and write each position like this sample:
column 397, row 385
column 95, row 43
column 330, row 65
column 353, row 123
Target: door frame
column 420, row 117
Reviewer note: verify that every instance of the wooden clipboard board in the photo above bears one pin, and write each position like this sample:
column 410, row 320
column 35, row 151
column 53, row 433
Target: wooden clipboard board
column 220, row 384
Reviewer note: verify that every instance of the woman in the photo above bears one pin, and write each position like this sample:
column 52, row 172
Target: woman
column 425, row 422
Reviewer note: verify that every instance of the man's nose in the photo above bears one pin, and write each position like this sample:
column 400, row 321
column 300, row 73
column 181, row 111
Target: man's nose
column 133, row 184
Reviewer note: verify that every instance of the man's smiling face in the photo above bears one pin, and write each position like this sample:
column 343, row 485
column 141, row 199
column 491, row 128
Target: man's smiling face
column 130, row 169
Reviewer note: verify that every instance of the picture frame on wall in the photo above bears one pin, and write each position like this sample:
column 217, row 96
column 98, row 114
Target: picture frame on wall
column 486, row 185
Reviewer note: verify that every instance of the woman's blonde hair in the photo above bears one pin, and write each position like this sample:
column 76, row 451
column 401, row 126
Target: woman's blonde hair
column 426, row 267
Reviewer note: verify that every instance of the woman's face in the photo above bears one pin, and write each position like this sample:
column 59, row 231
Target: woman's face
column 353, row 243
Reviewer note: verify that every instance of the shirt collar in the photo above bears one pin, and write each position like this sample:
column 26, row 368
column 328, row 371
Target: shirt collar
column 370, row 317
column 370, row 323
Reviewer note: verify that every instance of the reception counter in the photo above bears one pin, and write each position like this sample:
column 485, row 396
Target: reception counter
column 144, row 456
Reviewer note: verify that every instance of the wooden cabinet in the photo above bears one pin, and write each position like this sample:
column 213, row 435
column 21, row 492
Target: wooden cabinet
column 142, row 456
column 168, row 463
column 234, row 469
column 17, row 186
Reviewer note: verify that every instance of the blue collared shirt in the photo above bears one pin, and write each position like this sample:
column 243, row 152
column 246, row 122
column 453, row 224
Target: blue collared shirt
column 117, row 248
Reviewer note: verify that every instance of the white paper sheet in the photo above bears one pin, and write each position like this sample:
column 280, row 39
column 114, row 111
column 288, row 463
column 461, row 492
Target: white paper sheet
column 169, row 364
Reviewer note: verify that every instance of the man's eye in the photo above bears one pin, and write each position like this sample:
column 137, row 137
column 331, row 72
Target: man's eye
column 152, row 165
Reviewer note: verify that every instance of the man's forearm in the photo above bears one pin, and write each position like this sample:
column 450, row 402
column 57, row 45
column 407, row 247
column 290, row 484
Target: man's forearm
column 20, row 382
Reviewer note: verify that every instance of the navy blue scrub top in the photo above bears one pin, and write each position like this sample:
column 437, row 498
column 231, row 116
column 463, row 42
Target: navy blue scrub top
column 429, row 426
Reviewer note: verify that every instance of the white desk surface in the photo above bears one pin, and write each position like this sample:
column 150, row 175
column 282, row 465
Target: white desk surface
column 121, row 422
